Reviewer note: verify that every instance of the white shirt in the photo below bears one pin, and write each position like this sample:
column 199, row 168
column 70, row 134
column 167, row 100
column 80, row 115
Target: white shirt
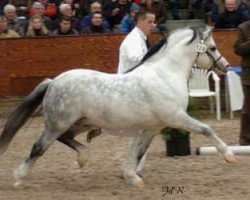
column 132, row 50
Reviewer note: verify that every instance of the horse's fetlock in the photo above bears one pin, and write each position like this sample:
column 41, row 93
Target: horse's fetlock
column 207, row 131
column 37, row 150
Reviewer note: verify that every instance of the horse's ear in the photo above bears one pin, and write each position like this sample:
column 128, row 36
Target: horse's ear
column 208, row 31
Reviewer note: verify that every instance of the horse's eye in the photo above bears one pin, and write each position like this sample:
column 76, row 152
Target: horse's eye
column 213, row 48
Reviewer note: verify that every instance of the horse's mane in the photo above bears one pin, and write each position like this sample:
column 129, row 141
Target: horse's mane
column 163, row 41
column 152, row 50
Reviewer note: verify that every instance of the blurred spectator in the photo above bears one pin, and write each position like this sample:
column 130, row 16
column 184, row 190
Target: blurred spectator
column 4, row 31
column 158, row 7
column 75, row 7
column 116, row 10
column 50, row 9
column 96, row 6
column 13, row 22
column 37, row 27
column 231, row 17
column 128, row 22
column 244, row 7
column 38, row 9
column 84, row 8
column 218, row 7
column 65, row 10
column 65, row 27
column 96, row 26
column 21, row 7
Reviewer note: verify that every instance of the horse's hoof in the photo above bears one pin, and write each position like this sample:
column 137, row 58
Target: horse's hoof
column 18, row 185
column 81, row 161
column 230, row 159
column 139, row 185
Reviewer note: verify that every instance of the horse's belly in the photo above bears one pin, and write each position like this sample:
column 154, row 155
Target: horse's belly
column 126, row 132
column 115, row 124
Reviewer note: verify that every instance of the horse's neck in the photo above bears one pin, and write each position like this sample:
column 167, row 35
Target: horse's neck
column 175, row 63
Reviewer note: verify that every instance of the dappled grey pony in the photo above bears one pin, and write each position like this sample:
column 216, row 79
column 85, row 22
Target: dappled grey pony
column 139, row 103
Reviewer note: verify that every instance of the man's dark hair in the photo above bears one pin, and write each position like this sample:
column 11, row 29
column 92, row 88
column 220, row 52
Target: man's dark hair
column 65, row 18
column 141, row 14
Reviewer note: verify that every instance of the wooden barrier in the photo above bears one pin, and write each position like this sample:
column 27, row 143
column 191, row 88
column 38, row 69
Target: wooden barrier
column 25, row 62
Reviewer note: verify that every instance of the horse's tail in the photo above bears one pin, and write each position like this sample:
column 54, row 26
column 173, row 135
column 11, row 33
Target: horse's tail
column 21, row 114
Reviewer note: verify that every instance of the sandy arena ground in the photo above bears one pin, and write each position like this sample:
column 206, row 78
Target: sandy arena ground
column 56, row 175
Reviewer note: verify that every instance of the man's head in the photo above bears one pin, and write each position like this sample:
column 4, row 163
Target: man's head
column 65, row 24
column 96, row 19
column 134, row 8
column 3, row 23
column 230, row 5
column 145, row 21
column 10, row 12
column 38, row 8
column 65, row 9
column 96, row 7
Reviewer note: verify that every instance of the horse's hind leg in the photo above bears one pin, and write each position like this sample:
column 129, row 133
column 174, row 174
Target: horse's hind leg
column 42, row 144
column 82, row 151
column 93, row 133
column 136, row 158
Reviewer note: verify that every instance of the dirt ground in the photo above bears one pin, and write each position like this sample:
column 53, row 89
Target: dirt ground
column 56, row 175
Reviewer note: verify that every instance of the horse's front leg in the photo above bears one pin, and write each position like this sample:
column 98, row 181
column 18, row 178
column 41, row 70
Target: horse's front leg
column 188, row 123
column 136, row 158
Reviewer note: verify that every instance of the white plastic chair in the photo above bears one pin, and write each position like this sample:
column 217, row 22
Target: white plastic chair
column 199, row 87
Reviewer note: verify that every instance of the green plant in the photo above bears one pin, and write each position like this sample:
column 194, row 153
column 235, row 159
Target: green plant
column 167, row 132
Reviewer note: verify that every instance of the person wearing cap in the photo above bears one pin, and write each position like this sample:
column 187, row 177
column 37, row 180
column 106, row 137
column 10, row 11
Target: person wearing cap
column 134, row 46
column 128, row 22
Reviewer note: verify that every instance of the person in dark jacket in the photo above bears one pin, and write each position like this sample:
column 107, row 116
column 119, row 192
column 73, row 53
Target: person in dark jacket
column 114, row 11
column 242, row 48
column 96, row 25
column 96, row 6
column 65, row 27
column 231, row 17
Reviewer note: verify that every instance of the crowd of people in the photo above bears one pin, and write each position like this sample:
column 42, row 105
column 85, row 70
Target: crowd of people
column 74, row 17
column 70, row 17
